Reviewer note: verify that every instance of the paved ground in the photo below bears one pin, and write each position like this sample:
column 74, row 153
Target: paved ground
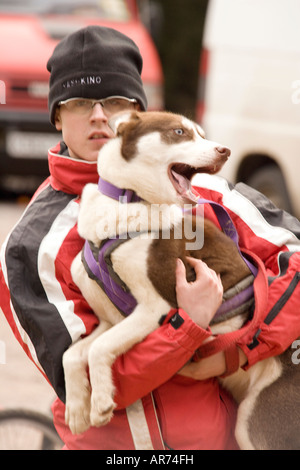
column 21, row 385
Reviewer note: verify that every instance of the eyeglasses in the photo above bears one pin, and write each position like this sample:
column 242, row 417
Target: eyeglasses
column 110, row 105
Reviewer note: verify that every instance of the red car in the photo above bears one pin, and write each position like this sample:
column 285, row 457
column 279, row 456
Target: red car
column 29, row 31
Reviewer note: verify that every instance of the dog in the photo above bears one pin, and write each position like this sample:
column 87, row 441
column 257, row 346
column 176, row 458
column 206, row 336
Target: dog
column 154, row 156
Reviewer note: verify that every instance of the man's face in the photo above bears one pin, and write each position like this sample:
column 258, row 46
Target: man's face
column 84, row 135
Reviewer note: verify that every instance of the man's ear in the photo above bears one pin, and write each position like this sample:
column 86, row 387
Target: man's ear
column 118, row 122
column 58, row 123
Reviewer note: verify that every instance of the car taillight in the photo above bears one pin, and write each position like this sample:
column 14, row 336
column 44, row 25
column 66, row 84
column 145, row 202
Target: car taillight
column 155, row 96
column 28, row 94
column 203, row 69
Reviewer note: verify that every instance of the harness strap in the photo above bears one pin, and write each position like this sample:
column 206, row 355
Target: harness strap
column 232, row 360
column 237, row 300
column 98, row 266
column 228, row 228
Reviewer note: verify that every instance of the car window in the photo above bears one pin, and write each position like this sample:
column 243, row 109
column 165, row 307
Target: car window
column 114, row 10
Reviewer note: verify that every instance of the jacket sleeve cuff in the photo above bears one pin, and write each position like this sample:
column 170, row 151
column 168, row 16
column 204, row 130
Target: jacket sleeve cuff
column 193, row 335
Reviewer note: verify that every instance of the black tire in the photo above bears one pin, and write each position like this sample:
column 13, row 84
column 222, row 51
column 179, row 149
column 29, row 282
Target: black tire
column 269, row 181
column 27, row 430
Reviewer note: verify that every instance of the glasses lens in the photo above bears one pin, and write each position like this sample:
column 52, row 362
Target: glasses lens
column 79, row 106
column 115, row 105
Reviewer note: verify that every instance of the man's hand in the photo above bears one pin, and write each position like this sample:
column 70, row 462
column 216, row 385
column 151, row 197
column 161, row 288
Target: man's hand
column 199, row 299
column 212, row 366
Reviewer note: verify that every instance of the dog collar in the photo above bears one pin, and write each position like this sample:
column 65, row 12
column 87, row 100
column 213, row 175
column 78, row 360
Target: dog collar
column 121, row 195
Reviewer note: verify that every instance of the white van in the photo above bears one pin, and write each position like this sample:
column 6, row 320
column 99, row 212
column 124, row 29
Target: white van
column 249, row 94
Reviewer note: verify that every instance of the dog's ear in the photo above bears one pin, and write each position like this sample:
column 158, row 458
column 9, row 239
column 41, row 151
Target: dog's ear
column 119, row 121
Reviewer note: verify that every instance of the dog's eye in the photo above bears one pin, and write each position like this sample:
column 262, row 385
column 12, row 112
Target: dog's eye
column 179, row 131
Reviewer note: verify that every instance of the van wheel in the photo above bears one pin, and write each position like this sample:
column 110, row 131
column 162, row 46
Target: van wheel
column 269, row 181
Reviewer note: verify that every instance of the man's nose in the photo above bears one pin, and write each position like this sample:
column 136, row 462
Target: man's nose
column 98, row 113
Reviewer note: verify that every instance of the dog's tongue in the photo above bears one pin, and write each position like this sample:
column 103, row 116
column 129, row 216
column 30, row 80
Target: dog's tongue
column 183, row 187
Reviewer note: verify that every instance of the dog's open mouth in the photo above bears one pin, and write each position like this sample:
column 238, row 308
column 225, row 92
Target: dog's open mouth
column 181, row 175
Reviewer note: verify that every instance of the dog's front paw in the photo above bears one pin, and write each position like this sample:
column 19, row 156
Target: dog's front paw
column 102, row 407
column 77, row 414
column 77, row 418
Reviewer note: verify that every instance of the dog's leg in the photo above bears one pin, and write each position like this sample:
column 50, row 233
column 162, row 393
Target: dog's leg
column 78, row 390
column 111, row 344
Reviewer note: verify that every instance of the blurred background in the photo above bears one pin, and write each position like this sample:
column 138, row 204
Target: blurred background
column 168, row 34
column 232, row 65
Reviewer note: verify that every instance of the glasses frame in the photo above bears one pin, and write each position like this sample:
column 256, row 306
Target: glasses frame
column 101, row 102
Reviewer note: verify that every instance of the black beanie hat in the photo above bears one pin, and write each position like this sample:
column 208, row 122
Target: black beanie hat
column 95, row 62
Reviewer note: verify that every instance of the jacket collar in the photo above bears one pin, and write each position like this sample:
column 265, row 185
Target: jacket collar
column 68, row 174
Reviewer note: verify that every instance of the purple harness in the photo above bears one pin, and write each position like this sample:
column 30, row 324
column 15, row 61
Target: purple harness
column 98, row 264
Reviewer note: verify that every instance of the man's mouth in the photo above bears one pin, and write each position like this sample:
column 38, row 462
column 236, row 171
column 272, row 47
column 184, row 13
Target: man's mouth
column 181, row 175
column 98, row 136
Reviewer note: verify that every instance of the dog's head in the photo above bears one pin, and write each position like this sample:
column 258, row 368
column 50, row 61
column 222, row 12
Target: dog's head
column 156, row 154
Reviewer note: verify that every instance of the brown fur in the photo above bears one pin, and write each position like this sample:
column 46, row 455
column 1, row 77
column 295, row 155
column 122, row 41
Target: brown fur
column 219, row 252
column 151, row 122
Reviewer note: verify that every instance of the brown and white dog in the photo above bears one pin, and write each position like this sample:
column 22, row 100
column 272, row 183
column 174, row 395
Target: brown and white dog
column 155, row 155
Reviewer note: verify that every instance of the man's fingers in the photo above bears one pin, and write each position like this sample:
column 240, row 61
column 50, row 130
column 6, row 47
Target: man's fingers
column 198, row 265
column 201, row 268
column 180, row 273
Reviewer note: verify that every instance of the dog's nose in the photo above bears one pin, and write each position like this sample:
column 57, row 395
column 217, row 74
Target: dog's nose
column 223, row 151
